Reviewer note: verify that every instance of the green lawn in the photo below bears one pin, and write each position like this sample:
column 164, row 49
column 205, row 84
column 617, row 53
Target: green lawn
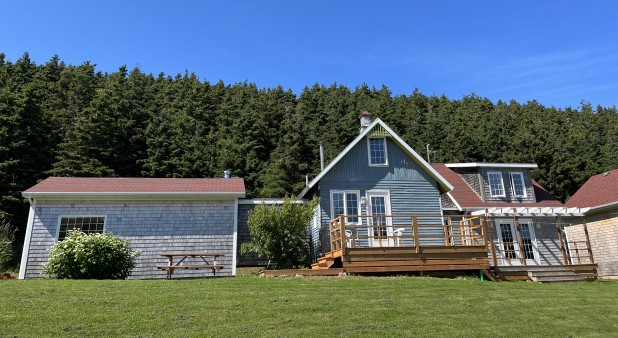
column 266, row 307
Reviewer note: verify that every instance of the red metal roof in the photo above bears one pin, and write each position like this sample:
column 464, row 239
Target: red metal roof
column 599, row 190
column 138, row 185
column 468, row 199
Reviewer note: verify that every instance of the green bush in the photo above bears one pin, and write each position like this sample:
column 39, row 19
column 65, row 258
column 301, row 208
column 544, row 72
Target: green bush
column 98, row 256
column 7, row 252
column 279, row 233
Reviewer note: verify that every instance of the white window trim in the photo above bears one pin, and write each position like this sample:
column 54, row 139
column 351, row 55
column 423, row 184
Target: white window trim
column 345, row 206
column 523, row 183
column 369, row 152
column 535, row 247
column 489, row 173
column 60, row 217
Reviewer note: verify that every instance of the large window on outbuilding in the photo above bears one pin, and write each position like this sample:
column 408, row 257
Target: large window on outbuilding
column 87, row 224
column 345, row 203
column 517, row 182
column 377, row 151
column 496, row 184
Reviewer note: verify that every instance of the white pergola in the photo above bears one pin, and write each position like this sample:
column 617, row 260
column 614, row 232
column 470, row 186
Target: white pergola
column 531, row 212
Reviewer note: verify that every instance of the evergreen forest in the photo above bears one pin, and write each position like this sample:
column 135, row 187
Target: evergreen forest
column 58, row 119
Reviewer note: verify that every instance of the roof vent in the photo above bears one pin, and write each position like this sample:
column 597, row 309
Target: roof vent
column 606, row 173
column 227, row 174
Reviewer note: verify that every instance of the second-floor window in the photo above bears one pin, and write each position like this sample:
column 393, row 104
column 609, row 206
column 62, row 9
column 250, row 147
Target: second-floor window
column 377, row 151
column 517, row 182
column 496, row 184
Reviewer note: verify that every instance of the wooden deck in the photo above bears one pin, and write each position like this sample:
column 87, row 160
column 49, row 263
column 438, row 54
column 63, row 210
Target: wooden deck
column 433, row 245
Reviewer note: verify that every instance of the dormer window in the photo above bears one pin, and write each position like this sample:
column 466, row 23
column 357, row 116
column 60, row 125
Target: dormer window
column 496, row 184
column 377, row 151
column 517, row 183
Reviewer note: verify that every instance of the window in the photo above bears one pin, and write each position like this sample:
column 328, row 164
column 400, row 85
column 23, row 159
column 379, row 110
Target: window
column 496, row 185
column 377, row 151
column 526, row 239
column 88, row 225
column 517, row 182
column 345, row 203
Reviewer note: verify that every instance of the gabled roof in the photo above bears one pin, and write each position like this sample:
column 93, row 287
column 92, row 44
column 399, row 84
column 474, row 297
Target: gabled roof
column 115, row 186
column 466, row 198
column 443, row 185
column 599, row 191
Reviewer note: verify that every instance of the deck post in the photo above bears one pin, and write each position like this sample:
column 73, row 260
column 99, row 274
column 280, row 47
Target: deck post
column 491, row 239
column 342, row 234
column 587, row 240
column 562, row 247
column 522, row 252
column 415, row 229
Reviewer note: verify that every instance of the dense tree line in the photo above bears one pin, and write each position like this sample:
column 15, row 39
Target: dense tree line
column 68, row 120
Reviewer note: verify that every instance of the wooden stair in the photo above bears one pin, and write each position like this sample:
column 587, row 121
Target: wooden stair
column 546, row 273
column 554, row 275
column 326, row 263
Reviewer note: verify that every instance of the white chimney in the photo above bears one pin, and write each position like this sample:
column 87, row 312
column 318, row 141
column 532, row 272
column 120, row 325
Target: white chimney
column 227, row 174
column 365, row 120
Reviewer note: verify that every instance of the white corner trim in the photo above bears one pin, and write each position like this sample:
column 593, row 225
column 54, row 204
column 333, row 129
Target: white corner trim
column 235, row 238
column 26, row 250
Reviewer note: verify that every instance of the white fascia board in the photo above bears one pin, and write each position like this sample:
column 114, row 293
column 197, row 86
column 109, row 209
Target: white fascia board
column 268, row 201
column 454, row 201
column 133, row 195
column 492, row 165
column 602, row 207
column 419, row 159
column 432, row 172
column 338, row 158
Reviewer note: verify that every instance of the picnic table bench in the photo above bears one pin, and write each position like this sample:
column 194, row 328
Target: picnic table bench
column 171, row 266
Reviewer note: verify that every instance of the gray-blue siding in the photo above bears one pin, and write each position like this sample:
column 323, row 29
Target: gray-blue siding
column 412, row 190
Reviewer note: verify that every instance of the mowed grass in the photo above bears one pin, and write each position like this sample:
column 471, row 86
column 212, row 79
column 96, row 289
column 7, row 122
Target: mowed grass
column 284, row 307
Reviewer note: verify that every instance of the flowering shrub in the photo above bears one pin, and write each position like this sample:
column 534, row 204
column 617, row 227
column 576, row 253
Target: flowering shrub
column 98, row 256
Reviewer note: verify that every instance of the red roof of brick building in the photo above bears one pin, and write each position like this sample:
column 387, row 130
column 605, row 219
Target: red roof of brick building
column 599, row 190
column 468, row 199
column 110, row 185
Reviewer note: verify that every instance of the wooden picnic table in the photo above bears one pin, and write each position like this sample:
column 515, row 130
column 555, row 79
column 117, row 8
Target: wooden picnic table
column 171, row 266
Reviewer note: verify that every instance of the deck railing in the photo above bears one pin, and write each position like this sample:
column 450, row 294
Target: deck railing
column 406, row 231
column 579, row 252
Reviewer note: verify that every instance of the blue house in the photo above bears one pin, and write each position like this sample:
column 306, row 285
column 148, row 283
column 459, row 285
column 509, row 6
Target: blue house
column 377, row 175
column 384, row 209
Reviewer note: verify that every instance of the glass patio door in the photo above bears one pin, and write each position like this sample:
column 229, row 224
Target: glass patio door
column 510, row 250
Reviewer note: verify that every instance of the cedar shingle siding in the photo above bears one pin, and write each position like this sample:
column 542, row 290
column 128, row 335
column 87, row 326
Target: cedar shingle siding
column 150, row 226
column 603, row 233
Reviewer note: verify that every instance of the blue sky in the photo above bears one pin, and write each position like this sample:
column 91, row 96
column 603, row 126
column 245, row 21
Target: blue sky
column 556, row 52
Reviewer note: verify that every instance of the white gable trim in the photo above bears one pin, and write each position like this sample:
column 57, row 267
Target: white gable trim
column 443, row 185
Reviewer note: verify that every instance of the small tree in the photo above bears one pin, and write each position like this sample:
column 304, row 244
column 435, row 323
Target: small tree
column 279, row 233
column 98, row 256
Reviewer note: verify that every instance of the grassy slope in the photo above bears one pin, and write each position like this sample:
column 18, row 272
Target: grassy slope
column 251, row 306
